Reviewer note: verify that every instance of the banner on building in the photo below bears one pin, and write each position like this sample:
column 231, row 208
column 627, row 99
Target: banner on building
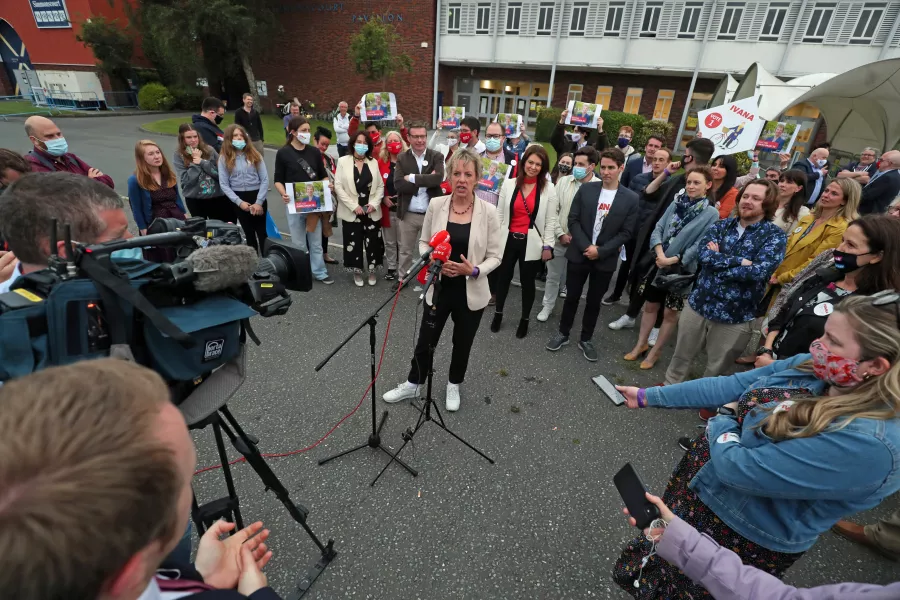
column 451, row 116
column 583, row 114
column 733, row 127
column 378, row 106
column 511, row 122
column 309, row 197
column 50, row 14
column 778, row 137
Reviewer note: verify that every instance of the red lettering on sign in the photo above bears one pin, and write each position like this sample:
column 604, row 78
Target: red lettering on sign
column 742, row 112
column 713, row 120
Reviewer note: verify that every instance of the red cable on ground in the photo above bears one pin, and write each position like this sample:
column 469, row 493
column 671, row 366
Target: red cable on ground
column 387, row 331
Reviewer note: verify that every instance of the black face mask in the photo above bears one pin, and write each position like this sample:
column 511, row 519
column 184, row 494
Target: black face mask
column 219, row 118
column 846, row 262
column 565, row 169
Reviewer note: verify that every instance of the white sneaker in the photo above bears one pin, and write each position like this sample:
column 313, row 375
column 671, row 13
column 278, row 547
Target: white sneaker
column 544, row 315
column 654, row 335
column 623, row 322
column 452, row 397
column 401, row 392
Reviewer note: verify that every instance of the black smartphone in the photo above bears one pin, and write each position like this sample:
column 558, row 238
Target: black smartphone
column 609, row 390
column 633, row 493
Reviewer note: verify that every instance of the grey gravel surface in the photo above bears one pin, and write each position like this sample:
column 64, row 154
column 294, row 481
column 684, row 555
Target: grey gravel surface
column 543, row 522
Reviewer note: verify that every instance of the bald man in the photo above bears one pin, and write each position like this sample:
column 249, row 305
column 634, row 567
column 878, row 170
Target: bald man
column 816, row 169
column 51, row 152
column 883, row 186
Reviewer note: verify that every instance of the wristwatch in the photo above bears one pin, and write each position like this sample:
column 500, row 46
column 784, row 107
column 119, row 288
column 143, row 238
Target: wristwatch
column 763, row 350
column 726, row 411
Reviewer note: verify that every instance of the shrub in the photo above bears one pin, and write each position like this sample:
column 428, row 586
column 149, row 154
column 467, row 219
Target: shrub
column 186, row 98
column 660, row 128
column 155, row 96
column 547, row 118
column 613, row 121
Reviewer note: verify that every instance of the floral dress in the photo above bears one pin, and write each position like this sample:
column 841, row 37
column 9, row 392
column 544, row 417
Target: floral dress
column 659, row 579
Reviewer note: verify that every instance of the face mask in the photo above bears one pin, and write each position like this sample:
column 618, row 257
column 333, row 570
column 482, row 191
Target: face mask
column 452, row 142
column 846, row 262
column 57, row 147
column 239, row 144
column 622, row 142
column 361, row 149
column 579, row 172
column 493, row 145
column 394, row 147
column 821, row 162
column 565, row 169
column 219, row 119
column 376, row 137
column 129, row 254
column 465, row 137
column 576, row 137
column 303, row 137
column 833, row 369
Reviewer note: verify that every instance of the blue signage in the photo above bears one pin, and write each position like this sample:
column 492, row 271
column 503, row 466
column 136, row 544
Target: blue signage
column 50, row 14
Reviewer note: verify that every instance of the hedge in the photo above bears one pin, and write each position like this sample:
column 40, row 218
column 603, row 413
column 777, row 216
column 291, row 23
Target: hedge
column 547, row 118
column 155, row 96
column 612, row 121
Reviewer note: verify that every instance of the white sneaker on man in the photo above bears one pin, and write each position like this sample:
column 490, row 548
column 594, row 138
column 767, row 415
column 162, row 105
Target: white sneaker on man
column 401, row 392
column 654, row 335
column 452, row 397
column 544, row 315
column 623, row 322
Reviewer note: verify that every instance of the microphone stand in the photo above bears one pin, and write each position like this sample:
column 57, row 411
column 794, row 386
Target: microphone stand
column 374, row 440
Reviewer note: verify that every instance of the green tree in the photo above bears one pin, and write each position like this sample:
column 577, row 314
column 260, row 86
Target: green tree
column 373, row 53
column 112, row 46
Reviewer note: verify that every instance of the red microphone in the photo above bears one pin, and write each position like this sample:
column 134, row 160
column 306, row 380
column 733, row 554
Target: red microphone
column 438, row 238
column 439, row 256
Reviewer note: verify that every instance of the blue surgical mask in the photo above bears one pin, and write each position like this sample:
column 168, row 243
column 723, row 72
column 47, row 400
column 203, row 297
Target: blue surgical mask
column 128, row 254
column 622, row 142
column 579, row 173
column 239, row 144
column 361, row 149
column 57, row 147
column 493, row 145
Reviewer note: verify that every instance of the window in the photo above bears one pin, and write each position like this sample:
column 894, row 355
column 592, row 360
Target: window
column 650, row 22
column 633, row 100
column 689, row 20
column 614, row 16
column 483, row 25
column 604, row 96
column 663, row 105
column 513, row 15
column 731, row 20
column 453, row 18
column 545, row 19
column 774, row 22
column 869, row 19
column 818, row 22
column 579, row 18
column 575, row 90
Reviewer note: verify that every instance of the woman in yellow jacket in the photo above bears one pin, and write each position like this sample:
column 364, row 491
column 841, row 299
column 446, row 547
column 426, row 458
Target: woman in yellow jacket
column 820, row 230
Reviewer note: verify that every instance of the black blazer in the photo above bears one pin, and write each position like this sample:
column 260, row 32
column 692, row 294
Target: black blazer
column 618, row 228
column 877, row 195
column 431, row 177
column 633, row 167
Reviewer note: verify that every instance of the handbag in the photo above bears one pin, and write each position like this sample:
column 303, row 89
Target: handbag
column 674, row 278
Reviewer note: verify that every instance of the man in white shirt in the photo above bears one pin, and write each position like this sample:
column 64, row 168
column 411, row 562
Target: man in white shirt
column 341, row 124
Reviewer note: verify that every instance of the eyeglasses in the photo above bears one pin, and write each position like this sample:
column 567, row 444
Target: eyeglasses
column 888, row 297
column 493, row 137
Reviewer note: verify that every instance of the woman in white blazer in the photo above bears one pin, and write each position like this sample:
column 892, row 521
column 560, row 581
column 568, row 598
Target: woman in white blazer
column 528, row 213
column 360, row 189
column 476, row 241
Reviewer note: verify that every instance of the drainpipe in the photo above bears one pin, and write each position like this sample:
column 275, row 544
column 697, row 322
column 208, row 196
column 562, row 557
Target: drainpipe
column 557, row 8
column 787, row 49
column 437, row 65
column 690, row 93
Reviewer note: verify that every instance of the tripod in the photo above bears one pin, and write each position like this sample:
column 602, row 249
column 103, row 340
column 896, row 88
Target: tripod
column 374, row 439
column 425, row 417
column 228, row 508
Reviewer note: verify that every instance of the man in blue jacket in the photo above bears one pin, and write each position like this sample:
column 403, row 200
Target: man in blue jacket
column 212, row 112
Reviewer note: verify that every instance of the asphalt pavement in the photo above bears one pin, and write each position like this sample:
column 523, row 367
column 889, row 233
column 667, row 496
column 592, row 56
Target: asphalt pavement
column 543, row 522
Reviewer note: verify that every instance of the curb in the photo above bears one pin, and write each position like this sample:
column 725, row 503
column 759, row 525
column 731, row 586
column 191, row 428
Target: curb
column 86, row 114
column 145, row 130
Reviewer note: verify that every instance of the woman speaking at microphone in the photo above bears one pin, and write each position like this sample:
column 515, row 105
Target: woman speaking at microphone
column 476, row 241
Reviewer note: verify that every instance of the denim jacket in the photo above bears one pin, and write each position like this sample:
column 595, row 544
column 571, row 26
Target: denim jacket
column 244, row 178
column 725, row 291
column 783, row 495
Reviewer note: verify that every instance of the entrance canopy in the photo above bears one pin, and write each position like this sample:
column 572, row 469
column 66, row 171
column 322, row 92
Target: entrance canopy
column 724, row 91
column 776, row 96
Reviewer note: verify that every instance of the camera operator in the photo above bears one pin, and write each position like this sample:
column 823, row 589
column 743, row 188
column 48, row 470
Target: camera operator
column 94, row 211
column 95, row 486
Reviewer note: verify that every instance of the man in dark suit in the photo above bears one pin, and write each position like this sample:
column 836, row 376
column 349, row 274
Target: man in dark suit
column 603, row 217
column 417, row 179
column 816, row 169
column 884, row 185
column 637, row 164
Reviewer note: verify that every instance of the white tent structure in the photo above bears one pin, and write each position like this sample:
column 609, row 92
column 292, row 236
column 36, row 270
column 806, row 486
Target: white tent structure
column 776, row 96
column 724, row 91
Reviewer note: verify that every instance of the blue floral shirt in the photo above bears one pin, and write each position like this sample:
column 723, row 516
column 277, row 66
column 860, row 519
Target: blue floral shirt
column 725, row 291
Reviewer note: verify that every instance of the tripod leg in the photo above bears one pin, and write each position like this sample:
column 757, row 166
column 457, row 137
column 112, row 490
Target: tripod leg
column 228, row 507
column 395, row 457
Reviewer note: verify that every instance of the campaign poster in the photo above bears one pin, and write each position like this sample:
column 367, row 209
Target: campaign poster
column 512, row 123
column 583, row 114
column 778, row 137
column 451, row 116
column 309, row 197
column 492, row 175
column 733, row 127
column 378, row 106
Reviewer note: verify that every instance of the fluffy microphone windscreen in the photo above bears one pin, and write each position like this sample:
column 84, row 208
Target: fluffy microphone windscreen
column 222, row 267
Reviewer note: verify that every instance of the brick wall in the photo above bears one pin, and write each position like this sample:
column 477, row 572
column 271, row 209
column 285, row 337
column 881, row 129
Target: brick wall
column 312, row 61
column 620, row 82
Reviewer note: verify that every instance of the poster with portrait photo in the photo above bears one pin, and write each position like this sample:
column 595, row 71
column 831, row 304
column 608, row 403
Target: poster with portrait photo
column 583, row 114
column 511, row 122
column 452, row 116
column 778, row 137
column 492, row 175
column 732, row 127
column 309, row 197
column 378, row 106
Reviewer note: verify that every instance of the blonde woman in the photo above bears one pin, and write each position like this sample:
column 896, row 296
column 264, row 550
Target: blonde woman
column 387, row 162
column 476, row 241
column 244, row 179
column 781, row 463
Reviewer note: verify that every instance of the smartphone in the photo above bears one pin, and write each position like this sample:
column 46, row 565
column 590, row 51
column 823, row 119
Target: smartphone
column 609, row 389
column 633, row 493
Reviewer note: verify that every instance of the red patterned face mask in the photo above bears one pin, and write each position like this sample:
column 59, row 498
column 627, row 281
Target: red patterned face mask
column 833, row 369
